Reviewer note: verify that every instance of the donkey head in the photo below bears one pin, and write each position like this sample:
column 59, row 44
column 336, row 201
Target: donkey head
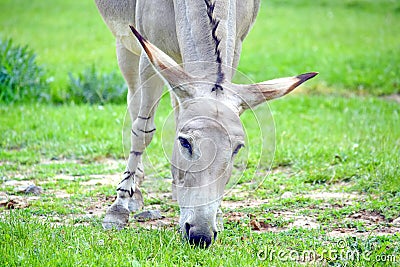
column 209, row 134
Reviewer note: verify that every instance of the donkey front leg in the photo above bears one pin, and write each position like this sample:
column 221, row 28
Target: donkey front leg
column 129, row 197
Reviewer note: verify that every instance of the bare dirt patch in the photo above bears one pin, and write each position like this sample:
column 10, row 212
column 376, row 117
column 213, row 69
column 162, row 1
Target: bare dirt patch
column 16, row 202
column 246, row 203
column 331, row 195
column 393, row 97
column 102, row 179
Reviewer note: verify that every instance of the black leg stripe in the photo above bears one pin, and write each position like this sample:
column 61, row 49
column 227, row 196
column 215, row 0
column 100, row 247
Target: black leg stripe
column 130, row 192
column 144, row 118
column 133, row 132
column 144, row 131
column 136, row 153
column 129, row 175
column 123, row 190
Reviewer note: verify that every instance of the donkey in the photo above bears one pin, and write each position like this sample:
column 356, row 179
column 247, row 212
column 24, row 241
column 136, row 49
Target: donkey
column 193, row 46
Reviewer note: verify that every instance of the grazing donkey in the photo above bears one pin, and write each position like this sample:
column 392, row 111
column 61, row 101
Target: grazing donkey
column 206, row 37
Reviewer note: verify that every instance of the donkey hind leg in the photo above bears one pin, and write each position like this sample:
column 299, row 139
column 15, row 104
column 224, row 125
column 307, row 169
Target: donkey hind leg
column 129, row 196
column 130, row 200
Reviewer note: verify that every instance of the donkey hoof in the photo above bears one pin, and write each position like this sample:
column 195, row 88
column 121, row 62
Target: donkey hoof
column 136, row 202
column 117, row 217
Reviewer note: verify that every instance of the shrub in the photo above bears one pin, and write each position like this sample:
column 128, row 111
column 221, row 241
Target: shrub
column 21, row 79
column 93, row 87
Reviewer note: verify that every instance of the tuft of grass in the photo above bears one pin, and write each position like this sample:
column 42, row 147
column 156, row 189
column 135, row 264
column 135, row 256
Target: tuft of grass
column 21, row 78
column 92, row 87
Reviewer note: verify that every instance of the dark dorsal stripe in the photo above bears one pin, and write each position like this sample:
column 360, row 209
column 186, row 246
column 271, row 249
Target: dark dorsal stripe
column 214, row 22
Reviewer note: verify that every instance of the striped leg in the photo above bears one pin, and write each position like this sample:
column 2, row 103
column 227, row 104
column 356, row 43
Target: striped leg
column 129, row 197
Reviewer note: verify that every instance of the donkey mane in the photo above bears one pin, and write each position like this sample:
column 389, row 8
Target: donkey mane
column 214, row 22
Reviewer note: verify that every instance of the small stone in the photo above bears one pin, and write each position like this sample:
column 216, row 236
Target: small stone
column 287, row 195
column 22, row 188
column 396, row 221
column 148, row 215
column 117, row 217
column 33, row 189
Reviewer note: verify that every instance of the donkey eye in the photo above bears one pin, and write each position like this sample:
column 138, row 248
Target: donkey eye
column 186, row 144
column 237, row 149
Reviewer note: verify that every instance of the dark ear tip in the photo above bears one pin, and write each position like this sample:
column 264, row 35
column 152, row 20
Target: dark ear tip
column 133, row 29
column 137, row 34
column 306, row 76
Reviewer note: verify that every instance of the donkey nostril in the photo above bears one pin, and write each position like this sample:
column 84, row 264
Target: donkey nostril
column 201, row 241
column 187, row 229
column 197, row 239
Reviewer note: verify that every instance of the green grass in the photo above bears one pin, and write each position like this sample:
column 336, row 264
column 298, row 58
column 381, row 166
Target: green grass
column 43, row 245
column 53, row 131
column 336, row 135
column 340, row 140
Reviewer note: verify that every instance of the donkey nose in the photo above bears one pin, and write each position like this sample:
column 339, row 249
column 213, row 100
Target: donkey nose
column 198, row 238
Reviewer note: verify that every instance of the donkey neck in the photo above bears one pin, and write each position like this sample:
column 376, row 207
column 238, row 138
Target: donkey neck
column 206, row 31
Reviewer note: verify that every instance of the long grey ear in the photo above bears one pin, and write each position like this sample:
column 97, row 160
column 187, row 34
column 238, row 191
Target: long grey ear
column 168, row 68
column 252, row 95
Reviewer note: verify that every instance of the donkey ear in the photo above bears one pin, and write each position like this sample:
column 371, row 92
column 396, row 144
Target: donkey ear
column 168, row 68
column 252, row 95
